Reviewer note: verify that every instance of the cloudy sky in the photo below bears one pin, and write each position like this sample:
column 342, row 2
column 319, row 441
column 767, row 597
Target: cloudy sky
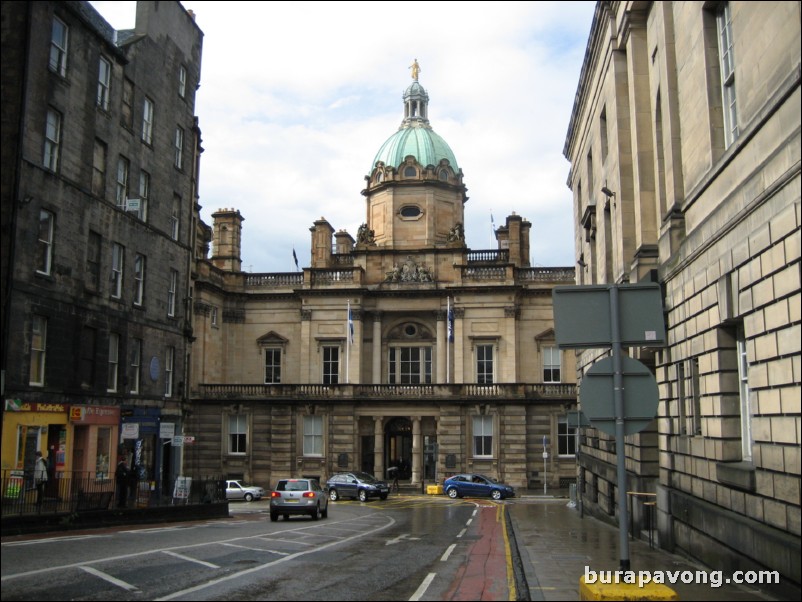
column 297, row 97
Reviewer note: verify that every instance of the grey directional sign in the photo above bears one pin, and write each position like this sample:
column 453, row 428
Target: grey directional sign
column 582, row 315
column 596, row 394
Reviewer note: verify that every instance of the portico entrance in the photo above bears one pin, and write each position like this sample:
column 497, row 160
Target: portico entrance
column 398, row 446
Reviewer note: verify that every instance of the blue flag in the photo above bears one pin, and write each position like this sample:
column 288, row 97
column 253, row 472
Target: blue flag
column 350, row 325
column 450, row 325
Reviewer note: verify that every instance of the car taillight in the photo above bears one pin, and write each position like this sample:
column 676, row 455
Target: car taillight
column 309, row 494
column 275, row 494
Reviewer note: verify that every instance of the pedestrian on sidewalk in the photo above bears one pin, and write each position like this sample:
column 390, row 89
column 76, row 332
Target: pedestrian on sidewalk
column 40, row 478
column 122, row 476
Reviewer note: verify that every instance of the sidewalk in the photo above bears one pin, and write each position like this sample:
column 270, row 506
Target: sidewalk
column 556, row 545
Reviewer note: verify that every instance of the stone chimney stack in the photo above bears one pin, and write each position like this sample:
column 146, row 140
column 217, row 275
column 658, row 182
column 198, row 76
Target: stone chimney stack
column 344, row 242
column 227, row 240
column 321, row 243
column 514, row 236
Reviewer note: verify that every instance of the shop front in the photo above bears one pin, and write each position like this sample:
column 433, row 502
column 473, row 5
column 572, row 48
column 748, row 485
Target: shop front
column 140, row 445
column 30, row 427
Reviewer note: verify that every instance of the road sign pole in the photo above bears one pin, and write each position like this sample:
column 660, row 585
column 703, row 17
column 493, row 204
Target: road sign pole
column 620, row 452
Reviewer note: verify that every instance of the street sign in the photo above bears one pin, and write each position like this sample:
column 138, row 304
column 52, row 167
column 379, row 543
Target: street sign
column 596, row 394
column 582, row 315
column 575, row 419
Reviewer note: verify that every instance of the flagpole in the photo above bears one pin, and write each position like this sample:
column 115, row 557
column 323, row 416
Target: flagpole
column 347, row 342
column 448, row 340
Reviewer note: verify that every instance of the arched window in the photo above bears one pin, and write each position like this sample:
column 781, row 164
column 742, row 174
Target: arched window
column 410, row 172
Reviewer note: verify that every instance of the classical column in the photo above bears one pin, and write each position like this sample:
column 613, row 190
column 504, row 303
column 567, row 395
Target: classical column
column 378, row 447
column 377, row 348
column 442, row 341
column 507, row 369
column 417, row 451
column 307, row 349
column 355, row 359
column 459, row 346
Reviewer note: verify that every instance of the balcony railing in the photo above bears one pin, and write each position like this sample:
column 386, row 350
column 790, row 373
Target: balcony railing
column 279, row 279
column 351, row 392
column 489, row 256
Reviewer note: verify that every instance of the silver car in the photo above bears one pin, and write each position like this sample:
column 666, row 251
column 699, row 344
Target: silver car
column 298, row 496
column 235, row 490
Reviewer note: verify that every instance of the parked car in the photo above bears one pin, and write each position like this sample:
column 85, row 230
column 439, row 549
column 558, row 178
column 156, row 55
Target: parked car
column 357, row 485
column 476, row 485
column 235, row 490
column 298, row 496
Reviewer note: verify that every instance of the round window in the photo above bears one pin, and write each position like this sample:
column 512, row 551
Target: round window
column 410, row 330
column 410, row 211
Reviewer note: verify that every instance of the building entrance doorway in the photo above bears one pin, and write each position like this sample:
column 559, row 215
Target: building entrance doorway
column 398, row 446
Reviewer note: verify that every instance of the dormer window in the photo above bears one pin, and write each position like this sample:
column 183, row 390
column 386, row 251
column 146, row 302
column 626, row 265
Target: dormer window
column 443, row 175
column 410, row 172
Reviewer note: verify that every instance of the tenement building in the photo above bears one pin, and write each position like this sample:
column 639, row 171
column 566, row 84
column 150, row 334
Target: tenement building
column 395, row 347
column 684, row 144
column 99, row 167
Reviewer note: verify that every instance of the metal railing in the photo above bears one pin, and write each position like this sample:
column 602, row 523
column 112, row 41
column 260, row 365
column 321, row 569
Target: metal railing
column 77, row 491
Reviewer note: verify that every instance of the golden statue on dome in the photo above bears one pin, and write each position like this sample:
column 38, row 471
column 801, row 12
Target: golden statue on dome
column 415, row 69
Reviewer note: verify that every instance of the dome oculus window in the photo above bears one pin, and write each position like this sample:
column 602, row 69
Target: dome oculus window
column 410, row 212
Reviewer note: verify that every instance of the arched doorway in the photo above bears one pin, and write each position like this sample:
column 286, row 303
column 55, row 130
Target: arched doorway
column 398, row 446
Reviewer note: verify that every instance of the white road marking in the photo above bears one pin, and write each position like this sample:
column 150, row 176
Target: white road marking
column 233, row 545
column 461, row 533
column 190, row 559
column 110, row 579
column 229, row 577
column 51, row 540
column 423, row 587
column 448, row 551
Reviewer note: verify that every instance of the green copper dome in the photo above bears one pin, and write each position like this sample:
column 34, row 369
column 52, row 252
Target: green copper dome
column 421, row 142
column 415, row 136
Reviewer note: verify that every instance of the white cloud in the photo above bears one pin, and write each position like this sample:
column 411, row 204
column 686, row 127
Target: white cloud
column 297, row 97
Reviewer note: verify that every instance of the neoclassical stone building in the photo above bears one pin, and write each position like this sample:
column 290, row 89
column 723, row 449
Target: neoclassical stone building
column 684, row 145
column 397, row 346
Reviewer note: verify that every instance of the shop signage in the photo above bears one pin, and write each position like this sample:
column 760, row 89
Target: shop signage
column 17, row 405
column 130, row 430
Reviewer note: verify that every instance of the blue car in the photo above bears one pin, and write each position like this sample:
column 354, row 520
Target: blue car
column 476, row 485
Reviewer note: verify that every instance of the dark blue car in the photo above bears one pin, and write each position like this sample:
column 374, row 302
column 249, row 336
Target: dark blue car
column 476, row 485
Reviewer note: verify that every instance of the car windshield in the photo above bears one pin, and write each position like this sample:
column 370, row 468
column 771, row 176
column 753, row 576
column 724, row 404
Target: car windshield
column 367, row 478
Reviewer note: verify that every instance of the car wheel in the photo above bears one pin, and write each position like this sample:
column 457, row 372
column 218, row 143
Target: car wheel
column 248, row 497
column 316, row 513
column 383, row 496
column 495, row 494
column 453, row 493
column 363, row 495
column 273, row 517
column 333, row 495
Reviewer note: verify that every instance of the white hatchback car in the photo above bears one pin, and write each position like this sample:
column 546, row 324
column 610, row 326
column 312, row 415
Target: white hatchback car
column 235, row 490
